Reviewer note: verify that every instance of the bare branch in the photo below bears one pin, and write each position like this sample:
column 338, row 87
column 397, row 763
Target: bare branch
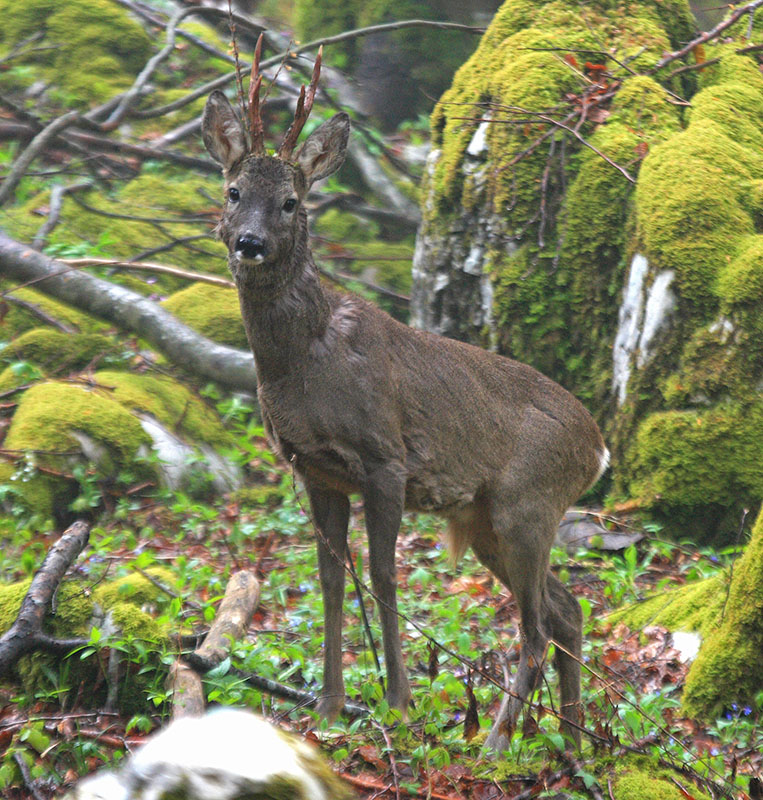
column 35, row 147
column 707, row 36
column 130, row 311
column 143, row 266
column 219, row 83
column 56, row 203
column 134, row 92
column 23, row 635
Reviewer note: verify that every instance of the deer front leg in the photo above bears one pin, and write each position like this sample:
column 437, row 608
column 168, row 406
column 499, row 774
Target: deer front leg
column 383, row 501
column 331, row 512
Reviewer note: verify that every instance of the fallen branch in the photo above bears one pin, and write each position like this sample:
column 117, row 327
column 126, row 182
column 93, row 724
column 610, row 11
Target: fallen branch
column 129, row 311
column 231, row 622
column 26, row 635
column 145, row 266
column 35, row 147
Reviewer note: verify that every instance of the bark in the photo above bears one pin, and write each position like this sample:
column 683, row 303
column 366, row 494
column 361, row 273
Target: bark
column 233, row 617
column 26, row 635
column 129, row 311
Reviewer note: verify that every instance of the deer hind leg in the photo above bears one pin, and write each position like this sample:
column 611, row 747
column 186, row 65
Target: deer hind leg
column 331, row 511
column 515, row 549
column 567, row 629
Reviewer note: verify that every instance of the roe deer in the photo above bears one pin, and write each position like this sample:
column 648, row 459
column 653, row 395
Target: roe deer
column 362, row 403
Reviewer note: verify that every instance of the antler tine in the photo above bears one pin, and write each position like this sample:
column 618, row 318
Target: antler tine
column 255, row 120
column 304, row 107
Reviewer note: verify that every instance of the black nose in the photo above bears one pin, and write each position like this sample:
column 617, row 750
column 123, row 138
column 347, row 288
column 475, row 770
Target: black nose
column 250, row 246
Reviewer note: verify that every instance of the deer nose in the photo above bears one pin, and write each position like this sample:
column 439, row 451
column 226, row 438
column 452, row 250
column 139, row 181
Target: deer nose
column 251, row 247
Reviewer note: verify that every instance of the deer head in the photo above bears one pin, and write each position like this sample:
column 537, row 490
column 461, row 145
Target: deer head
column 263, row 223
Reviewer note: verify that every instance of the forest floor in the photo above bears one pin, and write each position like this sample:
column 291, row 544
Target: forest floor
column 632, row 679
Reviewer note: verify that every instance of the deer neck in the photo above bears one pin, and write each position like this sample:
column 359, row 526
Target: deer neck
column 281, row 328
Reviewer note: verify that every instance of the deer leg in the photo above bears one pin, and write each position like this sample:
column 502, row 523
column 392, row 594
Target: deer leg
column 515, row 549
column 567, row 629
column 331, row 511
column 383, row 501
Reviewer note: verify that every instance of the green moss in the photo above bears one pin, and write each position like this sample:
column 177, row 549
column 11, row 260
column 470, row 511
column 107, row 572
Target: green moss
column 210, row 310
column 341, row 226
column 694, row 607
column 106, row 44
column 80, row 606
column 729, row 667
column 169, row 402
column 48, row 411
column 693, row 191
column 18, row 319
column 51, row 348
column 697, row 459
column 715, row 364
column 740, row 284
column 642, row 778
column 134, row 587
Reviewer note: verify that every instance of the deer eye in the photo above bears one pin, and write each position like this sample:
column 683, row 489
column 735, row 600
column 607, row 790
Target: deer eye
column 233, row 194
column 290, row 205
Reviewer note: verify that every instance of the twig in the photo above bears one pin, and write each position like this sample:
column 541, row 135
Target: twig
column 134, row 92
column 144, row 266
column 26, row 632
column 56, row 203
column 35, row 147
column 706, row 36
column 40, row 314
column 218, row 83
column 26, row 776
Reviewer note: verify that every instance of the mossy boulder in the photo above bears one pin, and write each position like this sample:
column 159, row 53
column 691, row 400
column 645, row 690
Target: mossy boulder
column 211, row 310
column 20, row 318
column 114, row 606
column 108, row 425
column 641, row 297
column 107, row 45
column 727, row 610
column 52, row 349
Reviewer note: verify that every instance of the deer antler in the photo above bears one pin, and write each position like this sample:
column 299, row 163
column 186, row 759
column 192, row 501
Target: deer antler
column 255, row 120
column 304, row 106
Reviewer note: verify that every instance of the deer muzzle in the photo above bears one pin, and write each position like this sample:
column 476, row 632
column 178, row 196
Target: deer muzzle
column 251, row 248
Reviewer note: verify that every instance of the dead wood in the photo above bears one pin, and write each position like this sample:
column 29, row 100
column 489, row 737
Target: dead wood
column 26, row 634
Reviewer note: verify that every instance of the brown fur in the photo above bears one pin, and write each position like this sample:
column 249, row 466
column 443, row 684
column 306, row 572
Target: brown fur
column 362, row 403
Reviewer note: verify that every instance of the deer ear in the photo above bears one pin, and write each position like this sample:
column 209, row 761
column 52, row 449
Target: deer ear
column 324, row 149
column 222, row 131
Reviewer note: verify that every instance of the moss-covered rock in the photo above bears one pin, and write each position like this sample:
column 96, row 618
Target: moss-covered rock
column 728, row 667
column 727, row 610
column 211, row 310
column 108, row 46
column 169, row 402
column 60, row 425
column 56, row 350
column 113, row 606
column 638, row 778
